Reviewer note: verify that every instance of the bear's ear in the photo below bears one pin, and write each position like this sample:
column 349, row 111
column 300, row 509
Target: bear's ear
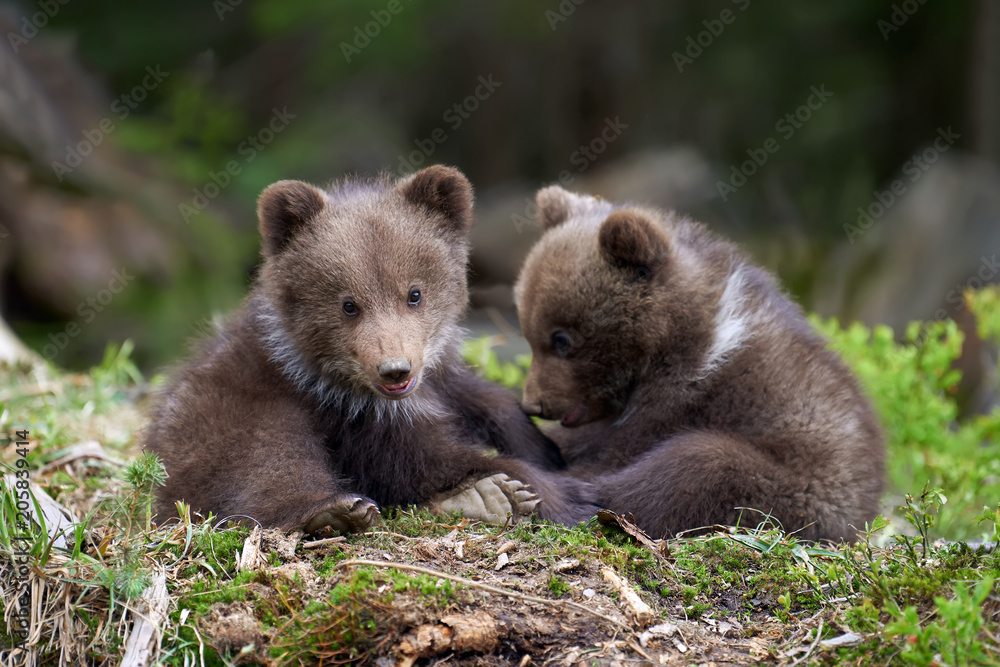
column 442, row 190
column 554, row 206
column 285, row 208
column 630, row 240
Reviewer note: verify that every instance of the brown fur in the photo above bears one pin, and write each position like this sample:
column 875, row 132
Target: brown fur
column 687, row 384
column 279, row 416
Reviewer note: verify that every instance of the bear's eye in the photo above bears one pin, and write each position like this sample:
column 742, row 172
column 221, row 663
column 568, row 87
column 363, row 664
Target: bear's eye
column 561, row 343
column 350, row 309
column 415, row 297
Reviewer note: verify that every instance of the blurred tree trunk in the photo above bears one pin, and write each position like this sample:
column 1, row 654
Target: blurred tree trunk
column 986, row 81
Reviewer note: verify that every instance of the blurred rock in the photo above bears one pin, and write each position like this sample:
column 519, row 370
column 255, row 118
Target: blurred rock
column 69, row 230
column 934, row 241
column 505, row 226
column 77, row 213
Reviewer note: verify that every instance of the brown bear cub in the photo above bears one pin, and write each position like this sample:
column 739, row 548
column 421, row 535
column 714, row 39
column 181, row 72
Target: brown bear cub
column 687, row 384
column 338, row 386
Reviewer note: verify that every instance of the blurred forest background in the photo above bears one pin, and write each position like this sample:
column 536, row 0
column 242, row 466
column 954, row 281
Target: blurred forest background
column 853, row 147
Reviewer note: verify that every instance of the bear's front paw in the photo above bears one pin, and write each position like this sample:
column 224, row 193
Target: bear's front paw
column 348, row 513
column 490, row 499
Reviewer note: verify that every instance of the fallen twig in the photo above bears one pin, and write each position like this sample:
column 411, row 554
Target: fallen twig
column 658, row 548
column 635, row 608
column 339, row 539
column 812, row 647
column 144, row 640
column 252, row 558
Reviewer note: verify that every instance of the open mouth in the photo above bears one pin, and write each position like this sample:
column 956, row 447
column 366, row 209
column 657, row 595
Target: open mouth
column 576, row 416
column 398, row 390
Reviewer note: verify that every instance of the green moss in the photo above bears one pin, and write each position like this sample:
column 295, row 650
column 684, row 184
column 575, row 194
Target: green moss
column 203, row 592
column 557, row 586
column 327, row 566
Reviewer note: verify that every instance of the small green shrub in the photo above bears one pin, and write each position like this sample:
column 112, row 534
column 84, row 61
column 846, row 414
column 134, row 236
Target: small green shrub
column 950, row 634
column 913, row 384
column 479, row 354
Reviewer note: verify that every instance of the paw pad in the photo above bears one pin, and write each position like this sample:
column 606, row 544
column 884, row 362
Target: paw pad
column 491, row 499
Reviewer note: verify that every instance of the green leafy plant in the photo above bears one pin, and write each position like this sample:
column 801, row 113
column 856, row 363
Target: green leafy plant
column 920, row 514
column 913, row 384
column 128, row 526
column 480, row 354
column 993, row 517
column 949, row 635
column 985, row 305
column 143, row 476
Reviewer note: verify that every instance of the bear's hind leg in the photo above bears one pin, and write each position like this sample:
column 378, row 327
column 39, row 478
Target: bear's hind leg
column 701, row 478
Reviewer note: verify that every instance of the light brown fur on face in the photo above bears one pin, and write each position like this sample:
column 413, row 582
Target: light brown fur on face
column 338, row 260
column 686, row 384
column 338, row 386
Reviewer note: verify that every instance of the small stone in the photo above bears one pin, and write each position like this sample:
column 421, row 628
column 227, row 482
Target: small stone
column 849, row 639
column 566, row 564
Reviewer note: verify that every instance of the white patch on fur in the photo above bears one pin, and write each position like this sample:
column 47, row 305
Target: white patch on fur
column 586, row 212
column 684, row 258
column 340, row 393
column 732, row 324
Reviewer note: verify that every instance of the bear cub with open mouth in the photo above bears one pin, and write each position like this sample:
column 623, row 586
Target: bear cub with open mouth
column 688, row 386
column 339, row 386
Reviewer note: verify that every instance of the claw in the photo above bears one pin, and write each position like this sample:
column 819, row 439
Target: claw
column 348, row 514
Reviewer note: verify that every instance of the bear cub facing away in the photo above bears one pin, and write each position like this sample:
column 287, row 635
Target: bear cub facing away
column 338, row 386
column 687, row 385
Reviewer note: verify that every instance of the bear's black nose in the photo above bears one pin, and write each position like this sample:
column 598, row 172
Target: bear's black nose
column 394, row 369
